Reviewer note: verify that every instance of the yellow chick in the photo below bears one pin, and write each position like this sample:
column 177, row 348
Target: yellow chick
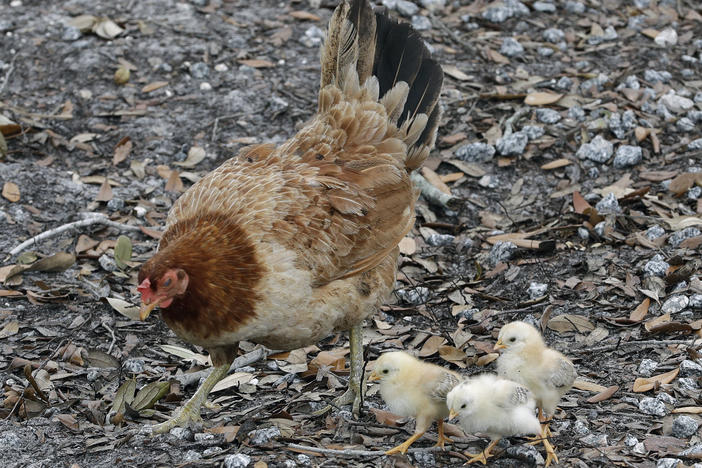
column 412, row 388
column 545, row 372
column 494, row 406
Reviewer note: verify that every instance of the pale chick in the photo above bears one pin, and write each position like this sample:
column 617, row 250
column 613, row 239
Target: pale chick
column 545, row 372
column 494, row 406
column 412, row 388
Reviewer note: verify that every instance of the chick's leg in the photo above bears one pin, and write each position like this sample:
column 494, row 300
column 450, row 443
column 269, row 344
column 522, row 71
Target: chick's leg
column 482, row 456
column 222, row 359
column 402, row 448
column 442, row 439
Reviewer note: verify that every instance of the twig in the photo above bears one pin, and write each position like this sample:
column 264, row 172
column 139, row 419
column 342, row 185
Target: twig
column 628, row 344
column 112, row 332
column 94, row 218
column 245, row 360
column 356, row 453
column 433, row 194
column 9, row 72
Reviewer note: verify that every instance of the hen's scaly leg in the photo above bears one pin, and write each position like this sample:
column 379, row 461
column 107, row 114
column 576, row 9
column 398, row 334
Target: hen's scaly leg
column 191, row 410
column 442, row 439
column 482, row 456
column 402, row 448
column 354, row 394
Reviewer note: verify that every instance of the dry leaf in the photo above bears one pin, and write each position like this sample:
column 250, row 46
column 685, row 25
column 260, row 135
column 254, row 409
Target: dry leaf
column 122, row 75
column 408, row 246
column 105, row 192
column 486, row 359
column 570, row 322
column 11, row 192
column 588, row 386
column 257, row 63
column 640, row 312
column 174, row 184
column 125, row 308
column 122, row 150
column 689, row 410
column 603, row 395
column 454, row 72
column 385, row 417
column 434, row 179
column 645, row 384
column 304, row 15
column 542, row 98
column 107, row 29
column 10, row 328
column 431, row 346
column 195, row 155
column 154, row 86
column 556, row 163
column 580, row 205
column 57, row 262
column 657, row 322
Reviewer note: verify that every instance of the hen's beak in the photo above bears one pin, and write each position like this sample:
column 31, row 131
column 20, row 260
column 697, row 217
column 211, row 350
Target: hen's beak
column 452, row 414
column 499, row 345
column 373, row 377
column 146, row 309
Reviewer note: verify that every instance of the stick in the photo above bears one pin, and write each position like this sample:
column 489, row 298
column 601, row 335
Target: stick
column 433, row 194
column 628, row 344
column 93, row 218
column 245, row 360
column 356, row 453
column 9, row 72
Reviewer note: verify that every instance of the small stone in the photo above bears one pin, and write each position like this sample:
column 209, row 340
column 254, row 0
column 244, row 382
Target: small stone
column 598, row 150
column 438, row 240
column 689, row 368
column 599, row 228
column 424, row 458
column 238, row 460
column 608, row 204
column 580, row 428
column 653, row 406
column 666, row 38
column 199, row 70
column 694, row 193
column 182, row 433
column 574, row 7
column 565, row 83
column 630, row 441
column 537, row 290
column 533, row 131
column 528, row 454
column 406, row 8
column 675, row 304
column 512, row 145
column 92, row 375
column 576, row 113
column 656, row 268
column 262, row 436
column 489, row 181
column 595, row 440
column 685, row 125
column 548, row 116
column 417, row 295
column 107, row 263
column 212, row 451
column 545, row 52
column 652, row 76
column 544, row 7
column 626, row 156
column 675, row 103
column 684, row 426
column 221, row 67
column 695, row 144
column 191, row 455
column 553, row 35
column 421, row 23
column 71, row 33
column 666, row 398
column 502, row 252
column 639, row 448
column 475, row 152
column 303, row 459
column 277, row 105
column 687, row 383
column 693, row 452
column 647, row 367
column 115, row 204
column 677, row 237
column 511, row 47
column 205, row 86
column 133, row 365
column 696, row 301
column 203, row 436
column 654, row 232
column 668, row 463
column 583, row 233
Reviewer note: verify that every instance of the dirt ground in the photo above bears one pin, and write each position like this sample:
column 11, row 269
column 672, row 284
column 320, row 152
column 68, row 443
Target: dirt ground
column 597, row 245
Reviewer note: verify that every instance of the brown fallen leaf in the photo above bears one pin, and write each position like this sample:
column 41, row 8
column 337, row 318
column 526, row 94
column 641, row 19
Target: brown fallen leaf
column 174, row 184
column 603, row 395
column 588, row 386
column 122, row 150
column 580, row 205
column 569, row 322
column 304, row 15
column 542, row 98
column 105, row 192
column 385, row 417
column 11, row 192
column 556, row 163
column 638, row 314
column 657, row 322
column 689, row 409
column 644, row 384
column 154, row 86
column 257, row 63
column 431, row 346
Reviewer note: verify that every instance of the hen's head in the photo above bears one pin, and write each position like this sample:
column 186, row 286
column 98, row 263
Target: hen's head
column 159, row 286
column 516, row 335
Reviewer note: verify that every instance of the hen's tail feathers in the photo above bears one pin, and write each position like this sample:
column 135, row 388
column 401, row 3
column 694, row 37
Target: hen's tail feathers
column 366, row 54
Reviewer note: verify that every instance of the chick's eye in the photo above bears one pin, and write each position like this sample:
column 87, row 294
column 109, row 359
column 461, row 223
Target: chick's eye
column 167, row 283
column 512, row 339
column 463, row 406
column 385, row 371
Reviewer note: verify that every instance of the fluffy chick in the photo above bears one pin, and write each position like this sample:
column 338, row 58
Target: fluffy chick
column 494, row 406
column 412, row 388
column 545, row 372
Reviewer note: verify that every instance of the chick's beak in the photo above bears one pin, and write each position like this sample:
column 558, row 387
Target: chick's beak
column 146, row 309
column 373, row 377
column 452, row 414
column 499, row 345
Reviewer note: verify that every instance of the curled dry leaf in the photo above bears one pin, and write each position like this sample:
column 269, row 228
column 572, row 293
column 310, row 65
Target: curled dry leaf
column 149, row 395
column 122, row 150
column 385, row 417
column 125, row 308
column 588, row 386
column 431, row 346
column 640, row 312
column 234, row 380
column 645, row 384
column 11, row 192
column 542, row 98
column 186, row 354
column 556, row 163
column 603, row 395
column 195, row 155
column 569, row 322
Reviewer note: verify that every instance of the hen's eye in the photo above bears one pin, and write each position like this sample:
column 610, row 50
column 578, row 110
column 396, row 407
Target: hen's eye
column 512, row 339
column 167, row 283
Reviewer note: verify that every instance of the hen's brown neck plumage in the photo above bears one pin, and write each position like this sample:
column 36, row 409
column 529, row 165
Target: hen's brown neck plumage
column 206, row 307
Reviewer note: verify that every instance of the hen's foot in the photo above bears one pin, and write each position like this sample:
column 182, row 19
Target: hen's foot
column 190, row 412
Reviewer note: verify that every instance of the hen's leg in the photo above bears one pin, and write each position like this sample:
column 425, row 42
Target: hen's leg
column 191, row 410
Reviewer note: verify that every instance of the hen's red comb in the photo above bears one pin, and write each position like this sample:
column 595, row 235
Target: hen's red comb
column 144, row 286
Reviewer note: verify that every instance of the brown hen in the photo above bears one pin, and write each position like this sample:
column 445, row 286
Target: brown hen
column 285, row 246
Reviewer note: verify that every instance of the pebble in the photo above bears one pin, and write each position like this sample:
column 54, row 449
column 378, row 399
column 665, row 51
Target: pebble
column 553, row 35
column 666, row 398
column 657, row 266
column 221, row 67
column 595, row 440
column 639, row 448
column 512, row 145
column 406, row 8
column 599, row 228
column 182, row 433
column 667, row 37
column 511, row 47
column 424, row 458
column 489, row 181
column 438, row 240
column 684, row 426
column 668, row 463
column 688, row 383
column 199, row 70
column 502, row 252
column 685, row 125
column 537, row 289
column 598, row 150
column 647, row 367
column 191, row 455
column 544, row 7
column 303, row 459
column 630, row 441
column 689, row 368
column 654, row 232
column 544, row 51
column 548, row 116
column 677, row 237
column 580, row 428
column 675, row 103
column 696, row 301
column 418, row 295
column 693, row 452
column 653, row 406
column 71, row 33
column 608, row 204
column 576, row 113
column 205, row 86
column 695, row 144
column 133, row 365
column 627, row 156
column 675, row 304
column 212, row 451
column 475, row 152
column 421, row 23
column 238, row 460
column 115, row 204
column 652, row 76
column 694, row 193
column 583, row 233
column 526, row 453
column 533, row 131
column 262, row 436
column 107, row 263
